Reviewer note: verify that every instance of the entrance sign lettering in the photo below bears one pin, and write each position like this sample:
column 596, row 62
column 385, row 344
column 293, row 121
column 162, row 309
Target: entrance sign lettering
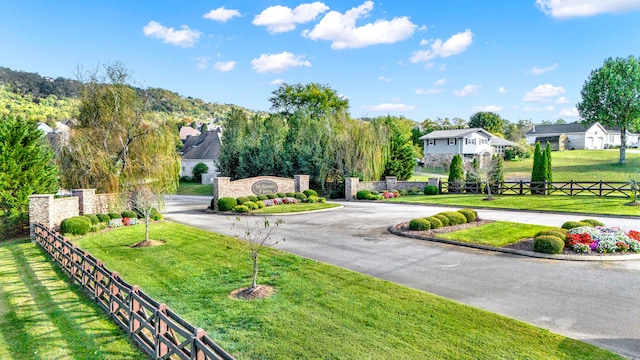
column 264, row 187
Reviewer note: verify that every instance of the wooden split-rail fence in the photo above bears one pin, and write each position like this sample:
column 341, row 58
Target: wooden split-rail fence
column 156, row 329
column 571, row 188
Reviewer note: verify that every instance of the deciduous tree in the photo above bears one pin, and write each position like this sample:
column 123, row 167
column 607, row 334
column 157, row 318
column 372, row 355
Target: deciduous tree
column 489, row 121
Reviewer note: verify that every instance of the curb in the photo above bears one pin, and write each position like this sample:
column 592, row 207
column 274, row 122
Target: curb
column 531, row 254
column 209, row 211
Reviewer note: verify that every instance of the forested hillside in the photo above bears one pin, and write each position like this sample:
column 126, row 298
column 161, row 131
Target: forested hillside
column 41, row 98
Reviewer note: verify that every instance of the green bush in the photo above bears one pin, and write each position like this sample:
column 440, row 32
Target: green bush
column 431, row 190
column 241, row 209
column 103, row 218
column 593, row 222
column 375, row 192
column 76, row 225
column 260, row 204
column 251, row 205
column 252, row 198
column 92, row 218
column 469, row 214
column 129, row 214
column 312, row 199
column 443, row 219
column 574, row 224
column 227, row 203
column 282, row 195
column 548, row 244
column 310, row 192
column 435, row 222
column 372, row 197
column 114, row 215
column 301, row 196
column 263, row 197
column 291, row 194
column 404, row 192
column 322, row 199
column 362, row 194
column 242, row 199
column 554, row 232
column 272, row 196
column 155, row 215
column 455, row 218
column 198, row 170
column 419, row 224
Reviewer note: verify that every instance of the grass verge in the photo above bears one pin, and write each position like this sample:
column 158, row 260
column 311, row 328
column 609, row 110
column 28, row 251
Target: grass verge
column 294, row 208
column 318, row 310
column 188, row 188
column 498, row 234
column 570, row 204
column 44, row 317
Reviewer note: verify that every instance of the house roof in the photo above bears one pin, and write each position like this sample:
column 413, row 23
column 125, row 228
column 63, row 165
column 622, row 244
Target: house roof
column 204, row 146
column 187, row 131
column 455, row 133
column 614, row 130
column 557, row 129
column 498, row 141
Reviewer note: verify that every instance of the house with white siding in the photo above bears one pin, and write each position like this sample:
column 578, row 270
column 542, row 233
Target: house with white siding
column 572, row 136
column 203, row 148
column 441, row 145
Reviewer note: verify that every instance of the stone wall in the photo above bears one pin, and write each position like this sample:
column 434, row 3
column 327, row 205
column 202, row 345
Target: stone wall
column 353, row 185
column 105, row 203
column 260, row 185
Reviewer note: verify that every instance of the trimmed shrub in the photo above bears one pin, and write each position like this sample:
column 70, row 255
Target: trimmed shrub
column 431, row 190
column 241, row 209
column 322, row 200
column 103, row 218
column 251, row 205
column 574, row 224
column 472, row 210
column 291, row 194
column 129, row 214
column 419, row 224
column 227, row 203
column 593, row 222
column 114, row 215
column 312, row 199
column 443, row 219
column 263, row 197
column 556, row 233
column 404, row 192
column 363, row 194
column 92, row 218
column 198, row 170
column 455, row 218
column 282, row 195
column 260, row 204
column 375, row 192
column 435, row 222
column 242, row 199
column 310, row 192
column 301, row 196
column 252, row 198
column 372, row 197
column 272, row 196
column 548, row 244
column 470, row 215
column 76, row 225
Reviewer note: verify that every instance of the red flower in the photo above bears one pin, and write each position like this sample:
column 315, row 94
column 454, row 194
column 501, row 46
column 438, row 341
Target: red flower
column 635, row 235
column 584, row 238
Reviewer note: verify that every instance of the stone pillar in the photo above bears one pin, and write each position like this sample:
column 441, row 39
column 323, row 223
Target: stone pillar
column 301, row 182
column 350, row 188
column 220, row 189
column 434, row 181
column 40, row 212
column 86, row 200
column 392, row 182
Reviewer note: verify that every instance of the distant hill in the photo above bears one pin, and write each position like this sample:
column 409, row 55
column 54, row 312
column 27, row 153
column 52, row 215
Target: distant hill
column 43, row 98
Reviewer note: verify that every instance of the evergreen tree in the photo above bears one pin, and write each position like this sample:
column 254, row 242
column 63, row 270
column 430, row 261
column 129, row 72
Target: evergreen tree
column 473, row 179
column 401, row 159
column 537, row 173
column 497, row 173
column 26, row 168
column 548, row 175
column 456, row 174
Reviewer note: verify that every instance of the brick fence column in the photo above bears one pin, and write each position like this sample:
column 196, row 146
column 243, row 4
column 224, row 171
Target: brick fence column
column 40, row 211
column 392, row 182
column 220, row 189
column 86, row 200
column 301, row 182
column 350, row 188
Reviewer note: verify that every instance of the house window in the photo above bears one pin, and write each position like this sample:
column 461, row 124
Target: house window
column 611, row 138
column 431, row 142
column 452, row 141
column 470, row 141
column 484, row 141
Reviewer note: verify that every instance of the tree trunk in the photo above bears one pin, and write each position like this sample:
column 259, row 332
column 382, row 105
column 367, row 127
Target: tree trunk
column 254, row 284
column 146, row 225
column 623, row 145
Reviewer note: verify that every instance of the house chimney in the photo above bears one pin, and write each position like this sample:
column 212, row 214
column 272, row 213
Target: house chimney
column 533, row 129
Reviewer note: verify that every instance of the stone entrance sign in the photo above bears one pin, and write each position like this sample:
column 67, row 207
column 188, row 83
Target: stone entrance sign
column 264, row 187
column 261, row 185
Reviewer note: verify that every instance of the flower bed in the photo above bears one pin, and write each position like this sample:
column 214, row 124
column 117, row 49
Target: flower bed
column 602, row 239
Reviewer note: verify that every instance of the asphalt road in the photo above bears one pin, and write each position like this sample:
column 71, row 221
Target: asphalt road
column 593, row 301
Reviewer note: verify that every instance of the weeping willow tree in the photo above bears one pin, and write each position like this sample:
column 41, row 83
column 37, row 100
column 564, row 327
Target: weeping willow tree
column 117, row 146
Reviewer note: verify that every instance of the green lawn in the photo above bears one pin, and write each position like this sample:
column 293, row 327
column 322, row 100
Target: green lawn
column 294, row 208
column 572, row 204
column 581, row 165
column 44, row 317
column 318, row 310
column 189, row 188
column 498, row 234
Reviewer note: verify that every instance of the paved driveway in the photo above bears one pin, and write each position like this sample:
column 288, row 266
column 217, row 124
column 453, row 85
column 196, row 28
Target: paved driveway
column 596, row 302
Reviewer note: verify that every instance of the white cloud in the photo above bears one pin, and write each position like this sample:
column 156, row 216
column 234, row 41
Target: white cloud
column 543, row 93
column 572, row 112
column 342, row 31
column 502, row 90
column 455, row 45
column 203, row 62
column 467, row 90
column 539, row 71
column 537, row 109
column 562, row 100
column 278, row 63
column 390, row 107
column 489, row 108
column 428, row 91
column 221, row 14
column 441, row 82
column 277, row 82
column 224, row 66
column 382, row 78
column 280, row 18
column 183, row 38
column 583, row 8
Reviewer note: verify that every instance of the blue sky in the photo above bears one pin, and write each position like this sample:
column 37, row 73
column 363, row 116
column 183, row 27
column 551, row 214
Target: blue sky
column 524, row 59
